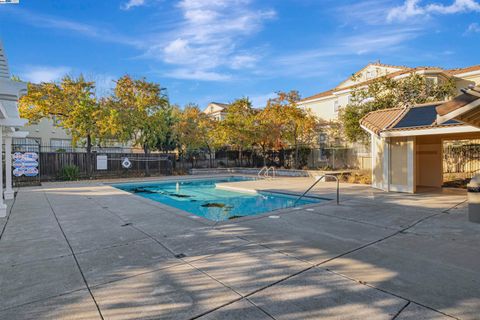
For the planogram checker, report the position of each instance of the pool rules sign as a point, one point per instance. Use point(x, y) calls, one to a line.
point(25, 164)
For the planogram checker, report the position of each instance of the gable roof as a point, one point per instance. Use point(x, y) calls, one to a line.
point(215, 107)
point(377, 121)
point(464, 108)
point(402, 119)
point(464, 70)
point(224, 105)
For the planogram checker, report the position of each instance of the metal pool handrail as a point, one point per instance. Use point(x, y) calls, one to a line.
point(261, 170)
point(315, 183)
point(273, 172)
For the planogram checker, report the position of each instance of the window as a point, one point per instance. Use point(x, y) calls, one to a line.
point(60, 144)
point(323, 138)
point(26, 144)
point(431, 80)
point(336, 106)
point(55, 121)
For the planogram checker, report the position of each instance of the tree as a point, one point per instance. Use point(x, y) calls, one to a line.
point(267, 131)
point(384, 93)
point(236, 129)
point(72, 105)
point(138, 111)
point(186, 130)
point(297, 126)
point(195, 131)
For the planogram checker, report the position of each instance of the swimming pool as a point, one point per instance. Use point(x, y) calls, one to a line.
point(202, 198)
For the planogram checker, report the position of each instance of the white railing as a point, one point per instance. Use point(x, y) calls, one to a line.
point(259, 174)
point(265, 173)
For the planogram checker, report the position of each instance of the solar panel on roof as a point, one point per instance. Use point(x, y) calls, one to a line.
point(420, 116)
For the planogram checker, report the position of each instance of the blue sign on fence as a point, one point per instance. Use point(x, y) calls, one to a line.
point(25, 164)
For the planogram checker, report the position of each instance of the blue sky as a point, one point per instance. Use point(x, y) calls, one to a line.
point(219, 50)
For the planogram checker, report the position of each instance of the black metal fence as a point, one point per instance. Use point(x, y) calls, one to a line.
point(332, 158)
point(54, 161)
point(53, 165)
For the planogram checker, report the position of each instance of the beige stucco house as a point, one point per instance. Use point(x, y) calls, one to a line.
point(45, 133)
point(216, 110)
point(326, 105)
point(406, 143)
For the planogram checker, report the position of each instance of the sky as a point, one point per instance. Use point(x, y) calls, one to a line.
point(220, 50)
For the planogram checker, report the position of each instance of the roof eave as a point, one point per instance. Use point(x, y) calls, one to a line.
point(429, 131)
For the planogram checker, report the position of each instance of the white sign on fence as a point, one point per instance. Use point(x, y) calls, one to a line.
point(126, 163)
point(102, 162)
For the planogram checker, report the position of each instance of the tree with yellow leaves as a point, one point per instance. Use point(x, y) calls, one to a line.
point(71, 103)
point(137, 111)
point(295, 126)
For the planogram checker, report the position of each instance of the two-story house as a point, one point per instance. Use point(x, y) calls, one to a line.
point(326, 105)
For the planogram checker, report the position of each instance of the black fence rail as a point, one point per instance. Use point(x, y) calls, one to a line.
point(308, 158)
point(53, 161)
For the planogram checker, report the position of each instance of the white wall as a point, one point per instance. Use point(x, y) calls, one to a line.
point(325, 108)
point(45, 130)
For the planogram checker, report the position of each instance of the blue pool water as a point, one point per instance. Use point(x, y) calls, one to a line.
point(201, 198)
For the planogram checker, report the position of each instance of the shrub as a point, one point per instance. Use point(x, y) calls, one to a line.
point(70, 173)
point(361, 177)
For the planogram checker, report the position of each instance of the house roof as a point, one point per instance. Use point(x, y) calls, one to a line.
point(463, 108)
point(224, 105)
point(464, 70)
point(403, 119)
point(215, 107)
point(319, 95)
point(377, 121)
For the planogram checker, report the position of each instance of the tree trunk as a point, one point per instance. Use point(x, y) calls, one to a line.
point(210, 165)
point(147, 169)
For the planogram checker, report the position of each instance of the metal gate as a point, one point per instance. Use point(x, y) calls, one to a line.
point(461, 159)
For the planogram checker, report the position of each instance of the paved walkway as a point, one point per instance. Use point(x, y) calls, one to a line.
point(89, 251)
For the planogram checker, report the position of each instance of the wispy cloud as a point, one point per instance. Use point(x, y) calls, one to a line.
point(64, 25)
point(473, 28)
point(132, 3)
point(412, 8)
point(38, 74)
point(345, 49)
point(206, 42)
point(209, 38)
point(189, 74)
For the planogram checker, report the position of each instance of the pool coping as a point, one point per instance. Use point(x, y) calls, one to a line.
point(208, 222)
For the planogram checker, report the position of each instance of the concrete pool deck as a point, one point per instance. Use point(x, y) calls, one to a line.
point(86, 250)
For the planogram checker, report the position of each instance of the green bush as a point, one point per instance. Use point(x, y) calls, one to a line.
point(70, 173)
